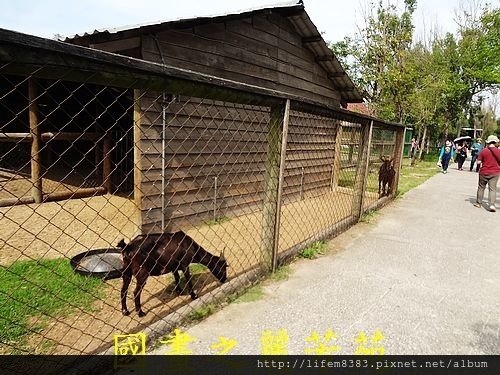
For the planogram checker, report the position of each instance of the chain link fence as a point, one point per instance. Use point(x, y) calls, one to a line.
point(96, 148)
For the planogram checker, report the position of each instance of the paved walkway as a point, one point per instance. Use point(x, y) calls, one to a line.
point(426, 274)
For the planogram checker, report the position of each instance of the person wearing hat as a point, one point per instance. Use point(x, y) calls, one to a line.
point(476, 148)
point(489, 162)
point(445, 155)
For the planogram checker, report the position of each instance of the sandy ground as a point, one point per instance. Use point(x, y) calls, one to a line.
point(63, 229)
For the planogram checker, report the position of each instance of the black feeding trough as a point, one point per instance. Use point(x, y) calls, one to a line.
point(105, 263)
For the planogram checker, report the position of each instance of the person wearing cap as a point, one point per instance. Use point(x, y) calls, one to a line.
point(489, 170)
point(445, 155)
point(475, 150)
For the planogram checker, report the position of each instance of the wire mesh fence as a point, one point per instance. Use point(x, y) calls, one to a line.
point(90, 158)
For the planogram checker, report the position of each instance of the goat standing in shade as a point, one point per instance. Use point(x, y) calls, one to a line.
point(157, 254)
point(386, 175)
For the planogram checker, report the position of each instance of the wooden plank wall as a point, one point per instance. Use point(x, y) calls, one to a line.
point(261, 50)
point(311, 146)
point(207, 139)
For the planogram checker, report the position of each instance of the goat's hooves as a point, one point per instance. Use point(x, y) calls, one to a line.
point(141, 313)
point(194, 296)
point(125, 312)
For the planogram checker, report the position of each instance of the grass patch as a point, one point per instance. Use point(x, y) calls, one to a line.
point(217, 221)
point(413, 176)
point(281, 273)
point(369, 217)
point(202, 312)
point(33, 290)
point(255, 292)
point(252, 294)
point(313, 251)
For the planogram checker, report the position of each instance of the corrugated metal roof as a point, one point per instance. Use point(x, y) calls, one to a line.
point(295, 12)
point(114, 30)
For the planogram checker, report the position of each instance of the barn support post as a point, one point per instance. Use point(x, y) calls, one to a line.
point(337, 159)
point(36, 142)
point(106, 164)
point(276, 153)
point(362, 170)
point(398, 158)
point(281, 180)
point(137, 157)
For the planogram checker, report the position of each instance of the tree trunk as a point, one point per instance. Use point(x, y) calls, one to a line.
point(421, 147)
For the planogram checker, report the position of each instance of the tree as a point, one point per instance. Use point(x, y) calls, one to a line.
point(436, 86)
point(376, 58)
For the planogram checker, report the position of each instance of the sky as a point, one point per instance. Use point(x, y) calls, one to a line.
point(335, 18)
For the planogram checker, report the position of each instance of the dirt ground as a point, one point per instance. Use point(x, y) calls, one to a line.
point(63, 229)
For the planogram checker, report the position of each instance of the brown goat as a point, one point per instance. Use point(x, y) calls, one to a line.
point(157, 254)
point(386, 175)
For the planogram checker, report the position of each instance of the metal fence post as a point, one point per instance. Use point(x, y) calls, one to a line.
point(362, 170)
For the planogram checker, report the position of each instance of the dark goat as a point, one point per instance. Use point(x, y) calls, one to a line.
point(157, 254)
point(386, 175)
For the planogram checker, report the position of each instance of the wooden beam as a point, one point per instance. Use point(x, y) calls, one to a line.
point(337, 159)
point(137, 157)
point(106, 164)
point(337, 75)
point(17, 137)
point(7, 202)
point(75, 194)
point(362, 171)
point(281, 179)
point(312, 39)
point(36, 141)
point(49, 136)
point(271, 183)
point(398, 158)
point(70, 136)
point(324, 58)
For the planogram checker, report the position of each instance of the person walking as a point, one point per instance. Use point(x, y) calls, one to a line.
point(489, 161)
point(476, 148)
point(445, 155)
point(414, 148)
point(462, 155)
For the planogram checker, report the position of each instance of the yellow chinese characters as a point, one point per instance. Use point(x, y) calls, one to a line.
point(223, 345)
point(274, 343)
point(321, 343)
point(376, 345)
point(131, 344)
point(178, 343)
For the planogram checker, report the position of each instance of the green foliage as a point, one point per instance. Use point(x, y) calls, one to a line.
point(369, 217)
point(281, 273)
point(313, 251)
point(437, 84)
point(30, 291)
point(202, 312)
point(252, 294)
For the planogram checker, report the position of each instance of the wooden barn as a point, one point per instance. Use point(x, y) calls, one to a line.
point(210, 155)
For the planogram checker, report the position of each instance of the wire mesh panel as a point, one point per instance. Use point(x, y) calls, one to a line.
point(318, 180)
point(381, 172)
point(122, 175)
